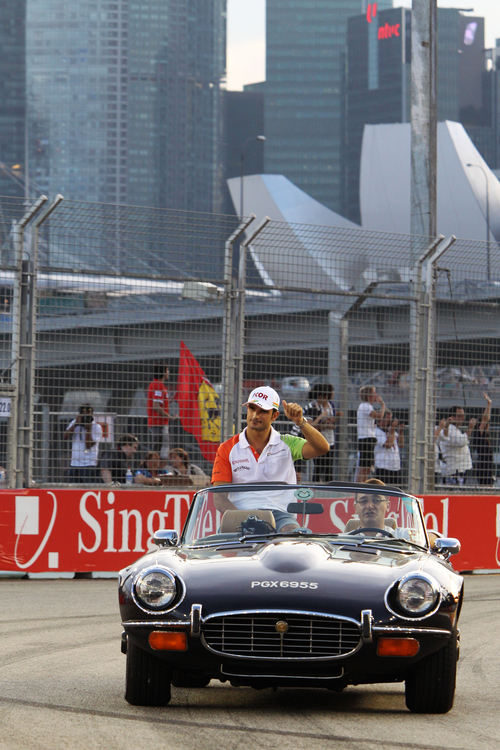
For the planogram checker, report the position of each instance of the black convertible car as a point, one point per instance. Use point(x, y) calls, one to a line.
point(276, 585)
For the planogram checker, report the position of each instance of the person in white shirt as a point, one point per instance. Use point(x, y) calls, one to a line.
point(86, 435)
point(387, 454)
point(454, 445)
point(262, 454)
point(367, 417)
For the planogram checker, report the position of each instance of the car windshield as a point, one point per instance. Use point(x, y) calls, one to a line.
point(368, 514)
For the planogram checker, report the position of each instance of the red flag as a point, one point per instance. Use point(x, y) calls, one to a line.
point(199, 404)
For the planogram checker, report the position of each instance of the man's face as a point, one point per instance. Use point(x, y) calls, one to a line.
point(459, 417)
point(371, 510)
point(260, 419)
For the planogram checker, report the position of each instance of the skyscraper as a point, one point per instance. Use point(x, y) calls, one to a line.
point(378, 80)
point(12, 96)
point(304, 99)
point(124, 100)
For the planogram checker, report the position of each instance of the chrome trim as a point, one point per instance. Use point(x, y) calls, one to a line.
point(195, 620)
point(366, 625)
point(415, 618)
point(302, 613)
point(307, 612)
point(446, 546)
point(411, 631)
point(166, 538)
point(175, 601)
point(155, 624)
point(282, 677)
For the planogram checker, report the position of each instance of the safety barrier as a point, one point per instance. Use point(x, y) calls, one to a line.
point(107, 528)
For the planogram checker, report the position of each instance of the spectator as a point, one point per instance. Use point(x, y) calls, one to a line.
point(367, 417)
point(387, 450)
point(180, 466)
point(438, 456)
point(86, 434)
point(484, 470)
point(321, 413)
point(150, 470)
point(158, 412)
point(454, 446)
point(117, 462)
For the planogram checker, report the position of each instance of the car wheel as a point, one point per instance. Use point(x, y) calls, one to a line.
point(430, 688)
point(147, 678)
point(190, 679)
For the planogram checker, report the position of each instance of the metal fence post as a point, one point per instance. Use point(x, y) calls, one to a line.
point(338, 376)
point(422, 407)
point(228, 333)
point(240, 328)
point(15, 436)
point(26, 372)
point(430, 398)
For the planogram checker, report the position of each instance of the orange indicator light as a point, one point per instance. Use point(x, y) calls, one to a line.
point(162, 640)
point(397, 647)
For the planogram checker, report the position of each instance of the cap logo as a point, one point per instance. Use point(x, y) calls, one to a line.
point(261, 395)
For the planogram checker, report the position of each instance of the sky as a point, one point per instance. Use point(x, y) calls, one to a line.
point(246, 31)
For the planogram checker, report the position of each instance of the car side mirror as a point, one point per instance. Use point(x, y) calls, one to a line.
point(446, 546)
point(166, 538)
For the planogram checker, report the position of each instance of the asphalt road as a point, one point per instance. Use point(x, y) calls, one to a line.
point(62, 684)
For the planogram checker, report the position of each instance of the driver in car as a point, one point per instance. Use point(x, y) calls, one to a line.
point(372, 511)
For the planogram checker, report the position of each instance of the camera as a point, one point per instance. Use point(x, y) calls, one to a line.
point(86, 417)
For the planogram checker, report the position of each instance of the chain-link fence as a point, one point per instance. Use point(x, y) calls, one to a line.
point(100, 300)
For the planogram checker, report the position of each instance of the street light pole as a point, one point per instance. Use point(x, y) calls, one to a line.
point(242, 164)
point(487, 196)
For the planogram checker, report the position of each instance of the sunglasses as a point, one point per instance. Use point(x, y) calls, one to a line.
point(375, 499)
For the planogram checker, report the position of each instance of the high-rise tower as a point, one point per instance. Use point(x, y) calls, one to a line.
point(124, 100)
point(304, 99)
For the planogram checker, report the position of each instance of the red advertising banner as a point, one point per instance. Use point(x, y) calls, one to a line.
point(65, 530)
point(83, 530)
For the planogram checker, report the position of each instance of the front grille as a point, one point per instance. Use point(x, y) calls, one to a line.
point(257, 635)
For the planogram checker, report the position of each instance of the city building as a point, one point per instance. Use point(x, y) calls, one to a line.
point(12, 96)
point(378, 83)
point(124, 100)
point(468, 192)
point(304, 99)
point(243, 122)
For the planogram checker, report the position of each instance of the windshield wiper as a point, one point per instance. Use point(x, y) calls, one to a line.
point(394, 543)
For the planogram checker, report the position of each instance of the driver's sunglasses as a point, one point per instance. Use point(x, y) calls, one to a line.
point(375, 499)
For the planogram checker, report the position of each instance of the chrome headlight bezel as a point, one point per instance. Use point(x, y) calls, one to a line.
point(173, 587)
point(398, 596)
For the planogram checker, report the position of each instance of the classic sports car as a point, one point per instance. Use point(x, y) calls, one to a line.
point(276, 585)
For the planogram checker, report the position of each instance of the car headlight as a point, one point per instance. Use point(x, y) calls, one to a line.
point(155, 589)
point(417, 594)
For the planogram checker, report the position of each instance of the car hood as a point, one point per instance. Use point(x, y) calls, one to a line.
point(293, 574)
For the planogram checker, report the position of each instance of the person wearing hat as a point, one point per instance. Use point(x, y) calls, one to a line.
point(260, 453)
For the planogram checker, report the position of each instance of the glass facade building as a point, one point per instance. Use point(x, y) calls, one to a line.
point(124, 100)
point(304, 100)
point(378, 81)
point(12, 96)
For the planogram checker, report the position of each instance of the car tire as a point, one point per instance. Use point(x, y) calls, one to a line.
point(147, 678)
point(430, 688)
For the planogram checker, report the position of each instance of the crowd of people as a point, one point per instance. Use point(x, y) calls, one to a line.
point(120, 464)
point(463, 451)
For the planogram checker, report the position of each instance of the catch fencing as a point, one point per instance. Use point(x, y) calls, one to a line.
point(96, 299)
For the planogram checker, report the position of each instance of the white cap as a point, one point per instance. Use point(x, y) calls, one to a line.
point(265, 397)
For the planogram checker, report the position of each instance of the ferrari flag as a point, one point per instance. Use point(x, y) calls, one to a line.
point(199, 404)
